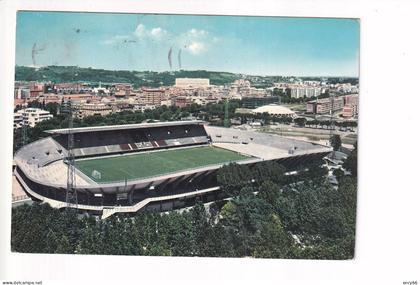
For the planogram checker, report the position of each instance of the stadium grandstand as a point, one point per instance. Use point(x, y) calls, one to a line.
point(154, 166)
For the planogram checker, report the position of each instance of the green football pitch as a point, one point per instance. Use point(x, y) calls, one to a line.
point(149, 164)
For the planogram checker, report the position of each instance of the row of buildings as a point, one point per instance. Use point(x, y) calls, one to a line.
point(238, 89)
point(123, 96)
point(241, 88)
point(309, 89)
point(117, 97)
point(34, 89)
point(300, 90)
point(347, 105)
point(189, 87)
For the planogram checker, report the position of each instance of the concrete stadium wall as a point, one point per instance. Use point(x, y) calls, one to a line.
point(162, 187)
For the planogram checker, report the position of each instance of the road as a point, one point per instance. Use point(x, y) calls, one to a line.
point(318, 135)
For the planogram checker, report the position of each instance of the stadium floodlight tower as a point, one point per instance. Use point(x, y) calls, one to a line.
point(71, 193)
point(24, 127)
point(332, 126)
point(332, 116)
point(226, 121)
point(24, 133)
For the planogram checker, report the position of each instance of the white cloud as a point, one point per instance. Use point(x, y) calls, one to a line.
point(158, 33)
point(195, 41)
point(197, 33)
point(196, 47)
point(140, 31)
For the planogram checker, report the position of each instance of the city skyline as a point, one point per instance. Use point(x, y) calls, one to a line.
point(248, 45)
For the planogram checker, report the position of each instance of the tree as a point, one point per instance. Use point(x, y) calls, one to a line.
point(268, 170)
point(347, 195)
point(274, 241)
point(338, 173)
point(233, 177)
point(266, 117)
point(269, 192)
point(313, 172)
point(180, 234)
point(200, 227)
point(91, 241)
point(220, 242)
point(350, 163)
point(300, 122)
point(331, 219)
point(52, 108)
point(165, 116)
point(335, 142)
point(302, 206)
point(243, 218)
point(64, 246)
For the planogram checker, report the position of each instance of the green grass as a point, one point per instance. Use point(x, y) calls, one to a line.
point(151, 164)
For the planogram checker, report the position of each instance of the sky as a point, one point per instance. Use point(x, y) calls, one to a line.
point(249, 45)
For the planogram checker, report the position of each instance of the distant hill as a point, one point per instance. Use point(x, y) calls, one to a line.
point(58, 74)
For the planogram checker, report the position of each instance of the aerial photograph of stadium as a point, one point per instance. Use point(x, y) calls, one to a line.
point(185, 135)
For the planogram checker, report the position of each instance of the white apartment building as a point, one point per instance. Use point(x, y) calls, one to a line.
point(30, 117)
point(300, 92)
point(17, 120)
point(192, 82)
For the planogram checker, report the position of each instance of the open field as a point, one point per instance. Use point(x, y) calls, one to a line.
point(149, 164)
point(312, 134)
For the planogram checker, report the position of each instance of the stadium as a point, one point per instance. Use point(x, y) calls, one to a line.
point(153, 166)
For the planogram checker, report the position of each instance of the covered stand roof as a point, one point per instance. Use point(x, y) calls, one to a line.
point(124, 127)
point(273, 109)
